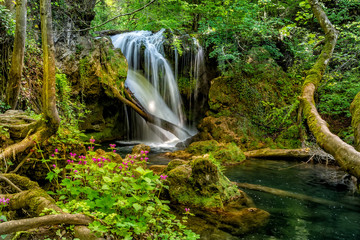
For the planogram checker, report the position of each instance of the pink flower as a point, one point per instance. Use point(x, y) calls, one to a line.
point(129, 156)
point(142, 152)
point(54, 166)
point(92, 140)
point(146, 152)
point(52, 155)
point(76, 171)
point(187, 210)
point(163, 177)
point(56, 150)
point(114, 151)
point(68, 161)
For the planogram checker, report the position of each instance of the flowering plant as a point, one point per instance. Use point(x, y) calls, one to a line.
point(120, 195)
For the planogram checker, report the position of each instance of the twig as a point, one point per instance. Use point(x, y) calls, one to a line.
point(10, 183)
point(22, 162)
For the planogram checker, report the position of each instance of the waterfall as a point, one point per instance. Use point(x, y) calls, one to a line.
point(151, 79)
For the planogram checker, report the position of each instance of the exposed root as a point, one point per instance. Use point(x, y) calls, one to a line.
point(26, 224)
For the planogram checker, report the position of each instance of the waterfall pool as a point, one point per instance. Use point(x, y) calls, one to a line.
point(298, 219)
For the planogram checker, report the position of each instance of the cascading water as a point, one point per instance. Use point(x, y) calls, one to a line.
point(152, 81)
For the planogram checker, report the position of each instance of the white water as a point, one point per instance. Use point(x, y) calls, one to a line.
point(152, 81)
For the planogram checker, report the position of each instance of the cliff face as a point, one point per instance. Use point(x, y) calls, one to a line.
point(92, 64)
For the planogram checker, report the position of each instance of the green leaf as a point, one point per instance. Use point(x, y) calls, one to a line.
point(137, 206)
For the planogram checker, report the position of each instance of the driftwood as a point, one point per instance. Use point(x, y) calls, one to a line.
point(299, 196)
point(345, 155)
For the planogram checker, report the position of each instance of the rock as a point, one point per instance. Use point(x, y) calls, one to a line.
point(221, 129)
point(200, 186)
point(158, 169)
point(140, 147)
point(225, 153)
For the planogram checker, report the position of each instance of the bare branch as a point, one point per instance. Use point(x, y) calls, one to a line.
point(112, 19)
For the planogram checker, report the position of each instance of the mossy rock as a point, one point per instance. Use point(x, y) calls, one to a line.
point(202, 147)
point(200, 184)
point(225, 153)
point(140, 147)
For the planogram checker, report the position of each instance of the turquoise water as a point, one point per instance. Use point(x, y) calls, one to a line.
point(298, 219)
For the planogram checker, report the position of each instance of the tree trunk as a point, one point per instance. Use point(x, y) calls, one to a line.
point(51, 120)
point(17, 60)
point(49, 91)
point(345, 155)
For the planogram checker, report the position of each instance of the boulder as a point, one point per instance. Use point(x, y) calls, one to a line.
point(202, 187)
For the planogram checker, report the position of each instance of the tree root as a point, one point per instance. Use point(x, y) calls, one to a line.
point(26, 224)
point(36, 200)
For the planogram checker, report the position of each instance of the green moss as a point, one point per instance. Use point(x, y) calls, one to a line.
point(203, 147)
point(222, 152)
point(200, 184)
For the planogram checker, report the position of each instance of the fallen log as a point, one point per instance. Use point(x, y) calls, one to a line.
point(299, 196)
point(303, 154)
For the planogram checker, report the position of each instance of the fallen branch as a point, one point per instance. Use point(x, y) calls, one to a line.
point(26, 224)
point(299, 196)
point(148, 117)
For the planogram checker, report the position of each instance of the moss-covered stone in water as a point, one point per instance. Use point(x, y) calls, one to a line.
point(200, 184)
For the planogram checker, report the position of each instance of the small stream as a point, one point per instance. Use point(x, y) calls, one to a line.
point(297, 219)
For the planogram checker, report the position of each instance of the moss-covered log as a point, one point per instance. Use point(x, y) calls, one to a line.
point(288, 154)
point(345, 155)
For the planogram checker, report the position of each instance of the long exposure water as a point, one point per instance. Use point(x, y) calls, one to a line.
point(299, 219)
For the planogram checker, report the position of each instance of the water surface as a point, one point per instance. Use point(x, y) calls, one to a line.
point(294, 218)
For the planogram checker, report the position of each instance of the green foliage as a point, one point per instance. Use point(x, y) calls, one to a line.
point(71, 113)
point(7, 24)
point(337, 94)
point(121, 196)
point(4, 106)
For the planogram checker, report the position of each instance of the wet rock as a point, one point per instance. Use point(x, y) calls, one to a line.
point(140, 147)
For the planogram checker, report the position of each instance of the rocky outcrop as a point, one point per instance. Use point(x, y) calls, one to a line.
point(201, 186)
point(94, 63)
